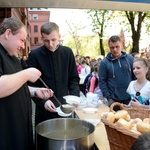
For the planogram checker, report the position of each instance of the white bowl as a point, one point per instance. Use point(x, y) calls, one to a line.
point(60, 113)
point(89, 110)
point(93, 121)
point(71, 99)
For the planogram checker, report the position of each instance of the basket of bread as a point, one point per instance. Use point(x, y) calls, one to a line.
point(125, 125)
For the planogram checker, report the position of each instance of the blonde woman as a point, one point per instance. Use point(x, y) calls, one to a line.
point(139, 89)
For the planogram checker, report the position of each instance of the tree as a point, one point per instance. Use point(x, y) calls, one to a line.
point(99, 18)
point(73, 31)
point(136, 19)
point(133, 22)
point(89, 45)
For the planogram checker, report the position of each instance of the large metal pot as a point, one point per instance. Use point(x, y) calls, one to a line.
point(65, 134)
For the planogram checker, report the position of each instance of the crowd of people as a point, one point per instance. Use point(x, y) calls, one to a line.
point(88, 73)
point(121, 77)
point(118, 77)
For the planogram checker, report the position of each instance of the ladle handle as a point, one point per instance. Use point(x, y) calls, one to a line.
point(44, 83)
point(49, 88)
point(26, 66)
point(57, 100)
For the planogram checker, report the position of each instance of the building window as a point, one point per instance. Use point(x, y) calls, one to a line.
point(35, 16)
point(36, 40)
point(35, 28)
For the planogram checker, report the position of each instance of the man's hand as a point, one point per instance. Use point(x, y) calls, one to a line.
point(49, 106)
point(43, 93)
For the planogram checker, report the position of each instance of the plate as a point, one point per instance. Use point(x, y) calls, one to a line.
point(89, 110)
point(93, 121)
point(71, 99)
point(62, 114)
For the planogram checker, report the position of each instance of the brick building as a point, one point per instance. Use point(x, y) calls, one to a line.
point(21, 14)
point(37, 17)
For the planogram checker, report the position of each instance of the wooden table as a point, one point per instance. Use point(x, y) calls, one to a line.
point(100, 135)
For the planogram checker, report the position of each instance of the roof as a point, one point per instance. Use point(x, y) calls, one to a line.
point(80, 4)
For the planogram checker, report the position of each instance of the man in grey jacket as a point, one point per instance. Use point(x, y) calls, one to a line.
point(115, 73)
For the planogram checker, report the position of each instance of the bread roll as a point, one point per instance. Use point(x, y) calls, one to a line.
point(135, 121)
point(143, 127)
point(127, 118)
point(123, 123)
point(131, 120)
point(146, 120)
point(134, 129)
point(104, 114)
point(111, 117)
point(121, 114)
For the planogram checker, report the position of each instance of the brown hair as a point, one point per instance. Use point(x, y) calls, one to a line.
point(11, 23)
point(48, 27)
point(142, 142)
point(147, 64)
point(114, 38)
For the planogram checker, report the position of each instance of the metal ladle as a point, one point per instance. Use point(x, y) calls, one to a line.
point(66, 109)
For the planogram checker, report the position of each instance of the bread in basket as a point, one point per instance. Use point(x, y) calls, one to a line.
point(119, 137)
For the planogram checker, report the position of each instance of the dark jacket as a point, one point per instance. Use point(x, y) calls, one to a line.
point(115, 75)
point(15, 110)
point(59, 71)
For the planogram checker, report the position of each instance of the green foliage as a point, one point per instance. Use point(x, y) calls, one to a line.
point(99, 23)
point(131, 23)
point(89, 46)
point(146, 22)
point(97, 17)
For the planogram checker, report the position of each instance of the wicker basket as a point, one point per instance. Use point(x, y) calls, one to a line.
point(118, 137)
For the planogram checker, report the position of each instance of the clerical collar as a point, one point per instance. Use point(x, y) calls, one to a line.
point(56, 48)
